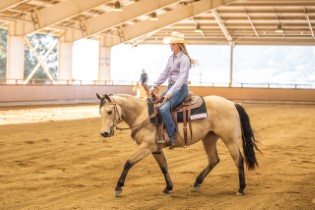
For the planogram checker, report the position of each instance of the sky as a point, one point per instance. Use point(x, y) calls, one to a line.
point(251, 64)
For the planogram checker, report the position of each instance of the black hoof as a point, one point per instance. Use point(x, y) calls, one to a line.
point(167, 190)
point(118, 193)
point(240, 193)
point(196, 188)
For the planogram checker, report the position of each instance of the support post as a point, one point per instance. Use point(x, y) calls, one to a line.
point(15, 62)
point(104, 64)
point(15, 70)
point(65, 61)
point(231, 63)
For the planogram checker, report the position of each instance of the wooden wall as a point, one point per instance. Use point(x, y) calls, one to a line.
point(24, 93)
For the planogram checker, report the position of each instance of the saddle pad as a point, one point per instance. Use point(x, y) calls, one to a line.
point(195, 114)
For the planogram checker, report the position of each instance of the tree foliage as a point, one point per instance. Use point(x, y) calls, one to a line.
point(41, 44)
point(3, 52)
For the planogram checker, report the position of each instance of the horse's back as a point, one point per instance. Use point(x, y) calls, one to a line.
point(221, 112)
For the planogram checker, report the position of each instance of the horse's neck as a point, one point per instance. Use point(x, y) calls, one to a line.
point(132, 108)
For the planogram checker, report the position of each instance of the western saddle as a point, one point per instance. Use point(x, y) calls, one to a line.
point(184, 108)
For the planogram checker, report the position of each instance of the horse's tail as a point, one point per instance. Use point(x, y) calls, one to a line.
point(248, 139)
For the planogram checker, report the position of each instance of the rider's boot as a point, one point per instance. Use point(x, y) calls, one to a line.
point(171, 143)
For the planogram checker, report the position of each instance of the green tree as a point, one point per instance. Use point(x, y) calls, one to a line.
point(41, 44)
point(3, 52)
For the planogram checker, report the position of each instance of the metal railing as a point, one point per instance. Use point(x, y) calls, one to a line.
point(123, 82)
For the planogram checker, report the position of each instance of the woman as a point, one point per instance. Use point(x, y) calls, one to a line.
point(177, 72)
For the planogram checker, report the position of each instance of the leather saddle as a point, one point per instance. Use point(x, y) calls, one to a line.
point(191, 101)
point(182, 112)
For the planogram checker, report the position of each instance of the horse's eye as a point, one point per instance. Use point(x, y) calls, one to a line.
point(109, 112)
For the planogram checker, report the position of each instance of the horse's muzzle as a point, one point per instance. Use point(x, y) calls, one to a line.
point(107, 134)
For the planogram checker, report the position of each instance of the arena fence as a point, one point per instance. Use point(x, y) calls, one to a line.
point(117, 82)
point(81, 91)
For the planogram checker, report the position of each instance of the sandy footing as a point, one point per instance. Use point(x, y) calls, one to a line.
point(54, 158)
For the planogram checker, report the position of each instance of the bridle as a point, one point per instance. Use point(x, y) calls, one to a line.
point(116, 113)
point(136, 127)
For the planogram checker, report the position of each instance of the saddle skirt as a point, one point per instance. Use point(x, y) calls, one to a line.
point(196, 106)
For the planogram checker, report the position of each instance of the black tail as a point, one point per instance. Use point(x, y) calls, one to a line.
point(248, 139)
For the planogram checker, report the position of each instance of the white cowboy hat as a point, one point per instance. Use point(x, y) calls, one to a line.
point(176, 37)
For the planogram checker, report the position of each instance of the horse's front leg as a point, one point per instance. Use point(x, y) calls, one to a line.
point(122, 178)
point(143, 151)
point(161, 160)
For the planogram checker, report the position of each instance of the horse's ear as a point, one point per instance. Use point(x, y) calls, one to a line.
point(98, 96)
point(107, 97)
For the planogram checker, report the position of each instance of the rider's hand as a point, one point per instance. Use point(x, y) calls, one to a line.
point(151, 90)
point(167, 96)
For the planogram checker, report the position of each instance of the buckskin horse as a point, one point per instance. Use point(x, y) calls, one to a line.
point(225, 120)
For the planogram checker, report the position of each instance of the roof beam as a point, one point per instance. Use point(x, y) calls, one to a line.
point(309, 23)
point(184, 12)
point(221, 25)
point(6, 4)
point(113, 19)
point(251, 23)
point(63, 11)
point(273, 3)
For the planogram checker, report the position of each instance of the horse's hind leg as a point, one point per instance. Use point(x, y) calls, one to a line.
point(210, 146)
point(239, 162)
point(160, 159)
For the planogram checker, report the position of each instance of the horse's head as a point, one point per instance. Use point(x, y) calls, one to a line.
point(110, 115)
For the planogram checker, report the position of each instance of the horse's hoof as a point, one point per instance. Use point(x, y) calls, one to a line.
point(196, 189)
point(240, 193)
point(118, 193)
point(166, 192)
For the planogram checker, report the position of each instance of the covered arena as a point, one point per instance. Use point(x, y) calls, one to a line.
point(53, 157)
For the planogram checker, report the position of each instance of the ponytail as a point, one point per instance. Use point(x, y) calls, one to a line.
point(183, 48)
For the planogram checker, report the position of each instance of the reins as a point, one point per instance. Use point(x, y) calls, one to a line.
point(122, 129)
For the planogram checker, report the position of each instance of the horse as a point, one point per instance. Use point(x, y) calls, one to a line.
point(225, 120)
point(140, 91)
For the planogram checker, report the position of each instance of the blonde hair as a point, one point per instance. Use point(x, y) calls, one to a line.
point(183, 48)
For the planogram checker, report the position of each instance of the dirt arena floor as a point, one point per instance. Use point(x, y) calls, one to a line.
point(54, 158)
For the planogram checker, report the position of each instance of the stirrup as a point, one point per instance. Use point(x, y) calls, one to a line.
point(161, 142)
point(172, 144)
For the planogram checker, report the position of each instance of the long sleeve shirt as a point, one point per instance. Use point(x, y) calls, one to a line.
point(176, 70)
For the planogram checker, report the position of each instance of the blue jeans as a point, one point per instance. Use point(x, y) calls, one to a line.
point(165, 110)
